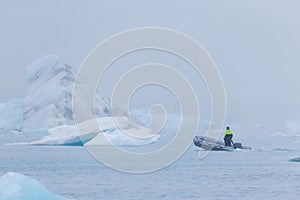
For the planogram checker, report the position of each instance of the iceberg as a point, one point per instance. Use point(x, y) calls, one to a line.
point(11, 115)
point(49, 100)
point(47, 109)
point(295, 159)
point(15, 186)
point(61, 135)
point(122, 133)
point(136, 137)
point(106, 132)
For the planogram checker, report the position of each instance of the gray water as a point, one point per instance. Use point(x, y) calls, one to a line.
point(262, 173)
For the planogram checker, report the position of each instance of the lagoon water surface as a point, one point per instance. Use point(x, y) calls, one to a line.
point(261, 173)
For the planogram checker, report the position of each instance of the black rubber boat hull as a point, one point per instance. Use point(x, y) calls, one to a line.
point(213, 145)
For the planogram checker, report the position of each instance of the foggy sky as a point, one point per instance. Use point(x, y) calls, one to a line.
point(255, 43)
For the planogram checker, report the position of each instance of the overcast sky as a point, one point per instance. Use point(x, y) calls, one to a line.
point(255, 43)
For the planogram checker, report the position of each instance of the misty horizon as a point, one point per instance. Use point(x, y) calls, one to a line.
point(254, 44)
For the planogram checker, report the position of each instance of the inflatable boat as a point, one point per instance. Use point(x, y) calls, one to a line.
point(207, 143)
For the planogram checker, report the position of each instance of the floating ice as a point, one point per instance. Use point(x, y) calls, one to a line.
point(137, 137)
point(68, 135)
point(295, 159)
point(48, 102)
point(100, 133)
point(63, 135)
point(11, 115)
point(293, 126)
point(15, 186)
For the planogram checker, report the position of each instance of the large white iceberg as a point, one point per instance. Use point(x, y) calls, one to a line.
point(15, 186)
point(11, 115)
point(49, 100)
point(47, 108)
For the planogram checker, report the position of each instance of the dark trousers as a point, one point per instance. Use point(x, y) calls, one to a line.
point(227, 140)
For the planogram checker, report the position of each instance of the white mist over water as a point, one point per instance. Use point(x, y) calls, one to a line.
point(256, 47)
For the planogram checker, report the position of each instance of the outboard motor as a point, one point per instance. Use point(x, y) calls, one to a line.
point(238, 145)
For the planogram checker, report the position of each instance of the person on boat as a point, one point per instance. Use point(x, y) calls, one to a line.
point(228, 136)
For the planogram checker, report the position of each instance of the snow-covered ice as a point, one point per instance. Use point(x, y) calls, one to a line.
point(61, 135)
point(49, 100)
point(15, 186)
point(11, 115)
point(104, 132)
point(120, 138)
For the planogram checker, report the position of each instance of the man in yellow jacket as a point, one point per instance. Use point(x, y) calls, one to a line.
point(228, 136)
